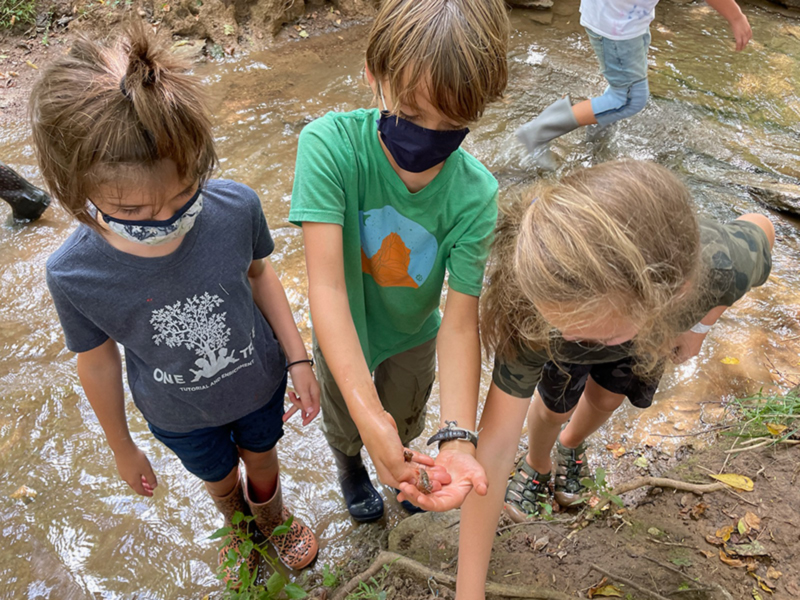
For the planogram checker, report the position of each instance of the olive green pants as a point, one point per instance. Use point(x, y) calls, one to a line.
point(404, 383)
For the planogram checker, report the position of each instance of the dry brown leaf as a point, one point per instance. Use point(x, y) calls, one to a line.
point(698, 510)
point(724, 533)
point(773, 573)
point(616, 449)
point(540, 543)
point(731, 562)
point(708, 553)
point(739, 482)
point(753, 521)
point(763, 583)
point(604, 589)
point(714, 541)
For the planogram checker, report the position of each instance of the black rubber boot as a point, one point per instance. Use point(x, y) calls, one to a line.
point(27, 201)
point(363, 500)
point(411, 509)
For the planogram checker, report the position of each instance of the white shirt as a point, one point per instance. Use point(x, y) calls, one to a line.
point(618, 19)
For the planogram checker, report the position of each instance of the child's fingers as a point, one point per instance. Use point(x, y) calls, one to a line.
point(149, 477)
point(290, 413)
point(138, 487)
point(419, 457)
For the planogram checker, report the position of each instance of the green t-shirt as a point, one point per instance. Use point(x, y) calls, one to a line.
point(738, 258)
point(397, 244)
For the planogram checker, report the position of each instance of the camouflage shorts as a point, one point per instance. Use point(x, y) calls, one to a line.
point(562, 384)
point(404, 383)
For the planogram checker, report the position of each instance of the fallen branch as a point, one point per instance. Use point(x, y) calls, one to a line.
point(423, 572)
point(761, 444)
point(635, 484)
point(628, 582)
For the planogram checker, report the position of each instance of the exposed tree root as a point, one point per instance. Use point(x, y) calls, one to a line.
point(635, 484)
point(424, 573)
point(628, 582)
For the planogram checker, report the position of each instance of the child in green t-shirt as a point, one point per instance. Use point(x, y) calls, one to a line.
point(389, 203)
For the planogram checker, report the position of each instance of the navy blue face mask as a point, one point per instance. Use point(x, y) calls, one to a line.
point(414, 148)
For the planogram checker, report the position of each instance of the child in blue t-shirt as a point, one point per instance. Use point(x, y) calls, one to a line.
point(171, 265)
point(619, 31)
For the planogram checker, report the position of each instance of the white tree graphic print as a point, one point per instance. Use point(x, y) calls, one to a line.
point(195, 326)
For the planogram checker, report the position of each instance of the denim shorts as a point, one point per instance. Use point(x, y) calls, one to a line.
point(211, 453)
point(562, 384)
point(622, 62)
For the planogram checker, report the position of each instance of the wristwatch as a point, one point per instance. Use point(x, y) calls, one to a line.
point(453, 432)
point(700, 328)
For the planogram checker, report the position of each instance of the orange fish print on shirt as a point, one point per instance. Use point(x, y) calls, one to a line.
point(389, 265)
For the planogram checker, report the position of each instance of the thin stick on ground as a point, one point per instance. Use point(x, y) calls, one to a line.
point(424, 573)
point(628, 582)
point(683, 575)
point(682, 486)
point(761, 444)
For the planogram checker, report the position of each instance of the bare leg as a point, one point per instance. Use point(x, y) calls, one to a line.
point(584, 114)
point(224, 486)
point(501, 425)
point(544, 426)
point(594, 408)
point(262, 473)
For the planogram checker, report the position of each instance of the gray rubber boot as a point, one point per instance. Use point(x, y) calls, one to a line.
point(554, 121)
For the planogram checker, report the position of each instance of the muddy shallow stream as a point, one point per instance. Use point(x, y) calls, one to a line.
point(723, 121)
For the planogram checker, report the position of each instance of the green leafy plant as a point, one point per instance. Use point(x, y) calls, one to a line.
point(249, 587)
point(17, 12)
point(372, 589)
point(331, 576)
point(600, 487)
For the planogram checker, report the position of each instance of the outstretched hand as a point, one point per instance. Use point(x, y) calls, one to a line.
point(387, 452)
point(465, 474)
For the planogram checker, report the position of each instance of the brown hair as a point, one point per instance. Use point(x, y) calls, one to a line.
point(623, 234)
point(123, 105)
point(456, 48)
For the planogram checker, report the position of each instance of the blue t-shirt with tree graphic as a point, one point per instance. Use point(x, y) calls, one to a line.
point(198, 351)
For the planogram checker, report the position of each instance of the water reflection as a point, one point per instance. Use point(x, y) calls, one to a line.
point(87, 536)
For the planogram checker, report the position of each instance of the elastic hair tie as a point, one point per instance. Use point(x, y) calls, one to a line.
point(123, 89)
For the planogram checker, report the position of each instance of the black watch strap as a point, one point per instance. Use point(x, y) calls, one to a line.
point(453, 432)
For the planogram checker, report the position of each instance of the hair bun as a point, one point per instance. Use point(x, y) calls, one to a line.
point(145, 58)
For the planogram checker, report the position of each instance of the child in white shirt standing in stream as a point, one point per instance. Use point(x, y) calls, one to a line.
point(619, 31)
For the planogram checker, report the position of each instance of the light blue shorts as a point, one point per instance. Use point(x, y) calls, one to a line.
point(624, 65)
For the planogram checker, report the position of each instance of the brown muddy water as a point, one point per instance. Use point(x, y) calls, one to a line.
point(716, 118)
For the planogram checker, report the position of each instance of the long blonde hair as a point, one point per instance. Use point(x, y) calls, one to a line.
point(621, 234)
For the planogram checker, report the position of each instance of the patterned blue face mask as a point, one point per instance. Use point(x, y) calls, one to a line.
point(154, 233)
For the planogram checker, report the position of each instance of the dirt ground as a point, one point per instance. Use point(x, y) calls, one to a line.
point(201, 29)
point(667, 542)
